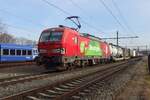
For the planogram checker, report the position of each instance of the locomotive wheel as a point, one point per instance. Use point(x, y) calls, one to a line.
point(46, 66)
point(82, 64)
point(77, 63)
point(70, 66)
point(37, 60)
point(65, 66)
point(90, 62)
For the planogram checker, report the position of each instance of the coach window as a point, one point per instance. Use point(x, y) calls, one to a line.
point(24, 52)
point(12, 51)
point(29, 52)
point(18, 52)
point(0, 51)
point(5, 51)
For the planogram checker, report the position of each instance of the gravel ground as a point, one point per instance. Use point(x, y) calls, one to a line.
point(131, 84)
point(128, 85)
point(139, 87)
point(20, 70)
point(12, 89)
point(110, 88)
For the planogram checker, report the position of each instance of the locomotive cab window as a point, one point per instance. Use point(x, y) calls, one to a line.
point(51, 36)
point(5, 51)
point(12, 52)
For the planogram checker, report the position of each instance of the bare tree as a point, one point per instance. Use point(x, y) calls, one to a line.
point(2, 28)
point(4, 36)
point(24, 41)
point(7, 38)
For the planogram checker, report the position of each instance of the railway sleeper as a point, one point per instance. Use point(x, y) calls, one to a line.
point(32, 98)
point(75, 83)
point(61, 89)
point(76, 97)
point(65, 87)
point(86, 91)
point(45, 96)
point(51, 94)
point(79, 97)
point(82, 93)
point(54, 92)
point(70, 85)
point(79, 80)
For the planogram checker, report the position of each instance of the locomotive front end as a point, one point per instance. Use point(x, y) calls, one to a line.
point(51, 49)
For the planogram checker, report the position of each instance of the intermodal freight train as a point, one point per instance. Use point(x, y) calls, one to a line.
point(63, 47)
point(17, 53)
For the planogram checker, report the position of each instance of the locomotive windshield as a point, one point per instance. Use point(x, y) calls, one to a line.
point(51, 36)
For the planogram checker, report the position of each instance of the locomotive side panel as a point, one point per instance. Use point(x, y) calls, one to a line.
point(70, 42)
point(106, 50)
point(90, 48)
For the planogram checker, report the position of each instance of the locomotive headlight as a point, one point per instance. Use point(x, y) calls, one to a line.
point(59, 50)
point(62, 50)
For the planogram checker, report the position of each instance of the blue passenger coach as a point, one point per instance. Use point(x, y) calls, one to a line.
point(15, 53)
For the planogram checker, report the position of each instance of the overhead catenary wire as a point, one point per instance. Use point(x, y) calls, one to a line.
point(80, 8)
point(130, 30)
point(53, 5)
point(69, 14)
point(122, 17)
point(112, 14)
point(84, 11)
point(90, 25)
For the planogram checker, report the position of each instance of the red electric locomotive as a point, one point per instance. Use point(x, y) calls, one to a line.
point(62, 47)
point(57, 45)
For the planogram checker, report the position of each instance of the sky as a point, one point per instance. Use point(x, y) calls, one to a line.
point(27, 18)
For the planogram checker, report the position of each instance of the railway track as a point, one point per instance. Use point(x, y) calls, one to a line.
point(22, 78)
point(7, 65)
point(29, 77)
point(73, 88)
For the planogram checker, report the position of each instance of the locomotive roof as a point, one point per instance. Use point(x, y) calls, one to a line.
point(10, 45)
point(60, 28)
point(92, 37)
